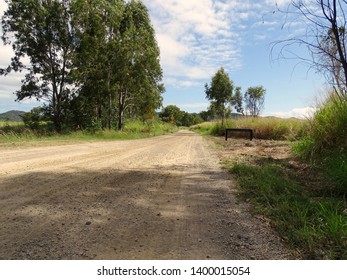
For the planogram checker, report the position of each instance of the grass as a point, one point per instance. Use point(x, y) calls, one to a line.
point(306, 204)
point(325, 143)
point(314, 223)
point(17, 134)
point(263, 128)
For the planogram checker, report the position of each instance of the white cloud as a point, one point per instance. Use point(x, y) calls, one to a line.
point(301, 113)
point(191, 107)
point(182, 83)
point(279, 3)
point(197, 37)
point(194, 105)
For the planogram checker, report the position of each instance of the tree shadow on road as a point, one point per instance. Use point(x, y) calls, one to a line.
point(132, 214)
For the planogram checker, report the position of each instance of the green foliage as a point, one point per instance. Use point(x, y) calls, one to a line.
point(173, 114)
point(254, 100)
point(237, 101)
point(96, 63)
point(35, 118)
point(318, 228)
point(329, 126)
point(220, 92)
point(43, 33)
point(19, 134)
point(205, 115)
point(326, 142)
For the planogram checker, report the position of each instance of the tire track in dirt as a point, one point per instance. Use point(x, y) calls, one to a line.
point(159, 198)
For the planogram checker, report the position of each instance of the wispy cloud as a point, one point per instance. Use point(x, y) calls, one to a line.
point(193, 107)
point(301, 113)
point(197, 37)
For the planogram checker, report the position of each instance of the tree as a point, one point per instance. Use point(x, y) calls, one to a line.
point(139, 71)
point(95, 62)
point(172, 113)
point(118, 62)
point(325, 38)
point(42, 31)
point(220, 92)
point(205, 115)
point(190, 119)
point(254, 100)
point(34, 118)
point(97, 59)
point(237, 101)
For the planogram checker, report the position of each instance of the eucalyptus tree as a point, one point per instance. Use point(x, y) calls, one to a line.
point(220, 92)
point(139, 72)
point(97, 57)
point(41, 31)
point(237, 101)
point(254, 100)
point(118, 61)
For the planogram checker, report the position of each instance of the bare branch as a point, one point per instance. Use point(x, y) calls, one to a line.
point(325, 39)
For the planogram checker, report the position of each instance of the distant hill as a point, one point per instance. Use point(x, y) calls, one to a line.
point(12, 116)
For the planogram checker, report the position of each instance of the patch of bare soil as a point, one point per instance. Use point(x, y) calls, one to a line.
point(253, 152)
point(160, 198)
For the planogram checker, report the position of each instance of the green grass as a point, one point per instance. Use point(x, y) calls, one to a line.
point(314, 224)
point(18, 134)
point(263, 128)
point(325, 143)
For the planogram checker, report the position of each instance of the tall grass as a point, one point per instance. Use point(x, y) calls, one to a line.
point(329, 126)
point(17, 133)
point(326, 140)
point(263, 127)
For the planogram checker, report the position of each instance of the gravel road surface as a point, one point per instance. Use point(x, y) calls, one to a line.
point(159, 198)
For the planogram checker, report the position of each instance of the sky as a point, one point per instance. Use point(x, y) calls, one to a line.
point(197, 38)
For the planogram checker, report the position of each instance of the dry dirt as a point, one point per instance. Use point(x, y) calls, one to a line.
point(160, 198)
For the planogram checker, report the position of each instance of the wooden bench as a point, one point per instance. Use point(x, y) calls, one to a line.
point(239, 130)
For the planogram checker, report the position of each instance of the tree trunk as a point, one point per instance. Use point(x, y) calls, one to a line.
point(121, 109)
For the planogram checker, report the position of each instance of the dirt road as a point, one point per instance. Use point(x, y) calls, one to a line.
point(158, 198)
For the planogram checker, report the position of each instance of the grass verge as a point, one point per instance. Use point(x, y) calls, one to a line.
point(16, 134)
point(311, 220)
point(326, 143)
point(263, 127)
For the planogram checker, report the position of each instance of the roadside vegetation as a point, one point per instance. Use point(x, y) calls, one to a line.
point(17, 133)
point(301, 202)
point(304, 194)
point(270, 128)
point(93, 63)
point(325, 143)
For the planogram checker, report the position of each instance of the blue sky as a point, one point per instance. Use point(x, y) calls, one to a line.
point(197, 37)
